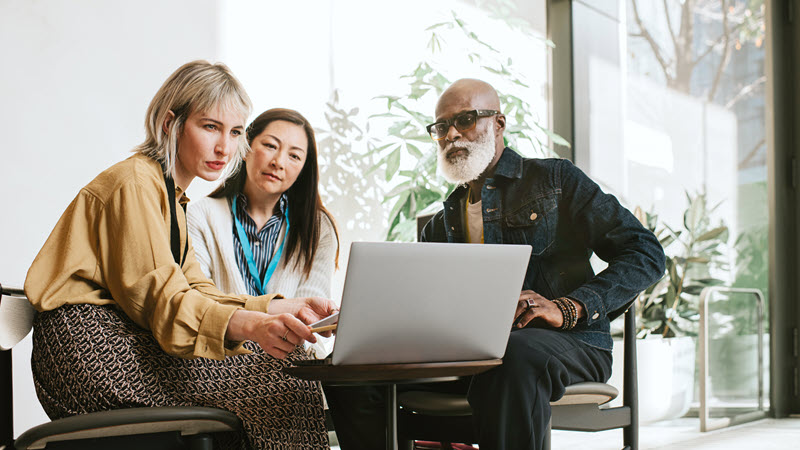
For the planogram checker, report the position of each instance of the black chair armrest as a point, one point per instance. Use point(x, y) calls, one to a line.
point(188, 420)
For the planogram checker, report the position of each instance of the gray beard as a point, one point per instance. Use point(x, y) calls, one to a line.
point(463, 169)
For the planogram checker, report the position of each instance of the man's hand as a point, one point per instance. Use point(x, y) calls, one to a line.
point(307, 309)
point(536, 310)
point(278, 334)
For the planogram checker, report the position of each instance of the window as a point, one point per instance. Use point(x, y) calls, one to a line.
point(670, 117)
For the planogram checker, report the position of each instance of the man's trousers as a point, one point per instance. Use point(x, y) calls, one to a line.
point(510, 403)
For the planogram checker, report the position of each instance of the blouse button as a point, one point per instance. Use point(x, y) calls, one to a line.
point(257, 243)
point(595, 316)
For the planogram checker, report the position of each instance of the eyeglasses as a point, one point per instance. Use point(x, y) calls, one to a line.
point(463, 122)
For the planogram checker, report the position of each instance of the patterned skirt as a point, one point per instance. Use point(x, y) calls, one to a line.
point(89, 358)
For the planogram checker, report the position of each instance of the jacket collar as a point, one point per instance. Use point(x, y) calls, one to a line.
point(509, 165)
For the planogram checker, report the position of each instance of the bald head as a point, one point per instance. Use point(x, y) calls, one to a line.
point(471, 148)
point(466, 94)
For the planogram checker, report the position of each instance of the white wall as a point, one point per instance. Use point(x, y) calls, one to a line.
point(77, 78)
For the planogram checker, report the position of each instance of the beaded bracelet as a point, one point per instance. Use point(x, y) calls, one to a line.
point(568, 311)
point(574, 311)
point(564, 313)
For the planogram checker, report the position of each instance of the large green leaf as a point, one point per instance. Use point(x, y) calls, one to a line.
point(438, 25)
point(399, 204)
point(557, 139)
point(693, 216)
point(712, 234)
point(404, 186)
point(392, 164)
point(414, 150)
point(667, 240)
point(698, 259)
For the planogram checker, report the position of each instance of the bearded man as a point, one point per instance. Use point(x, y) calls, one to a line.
point(560, 334)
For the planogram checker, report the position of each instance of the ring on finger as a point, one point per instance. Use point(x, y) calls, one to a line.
point(530, 302)
point(284, 336)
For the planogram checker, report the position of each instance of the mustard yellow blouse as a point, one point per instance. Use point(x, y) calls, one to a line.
point(112, 246)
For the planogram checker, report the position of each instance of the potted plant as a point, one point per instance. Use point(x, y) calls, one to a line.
point(668, 311)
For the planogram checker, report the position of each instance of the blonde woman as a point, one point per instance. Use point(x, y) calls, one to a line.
point(127, 317)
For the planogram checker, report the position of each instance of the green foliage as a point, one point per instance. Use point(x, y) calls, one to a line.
point(752, 271)
point(751, 19)
point(752, 266)
point(420, 190)
point(695, 254)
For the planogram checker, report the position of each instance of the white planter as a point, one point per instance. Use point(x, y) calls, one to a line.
point(666, 370)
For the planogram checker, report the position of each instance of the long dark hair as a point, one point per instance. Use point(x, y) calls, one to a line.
point(305, 204)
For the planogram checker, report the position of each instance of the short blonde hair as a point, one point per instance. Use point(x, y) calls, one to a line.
point(195, 86)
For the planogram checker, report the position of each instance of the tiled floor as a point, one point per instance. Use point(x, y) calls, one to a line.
point(767, 434)
point(683, 434)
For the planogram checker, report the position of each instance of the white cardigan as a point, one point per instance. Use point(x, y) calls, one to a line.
point(210, 227)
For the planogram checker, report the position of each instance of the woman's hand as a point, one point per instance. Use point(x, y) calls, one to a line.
point(307, 309)
point(277, 334)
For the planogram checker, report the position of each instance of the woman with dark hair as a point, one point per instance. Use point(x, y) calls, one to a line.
point(265, 230)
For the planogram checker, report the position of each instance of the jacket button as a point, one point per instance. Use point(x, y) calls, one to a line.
point(595, 316)
point(452, 228)
point(490, 187)
point(451, 208)
point(534, 216)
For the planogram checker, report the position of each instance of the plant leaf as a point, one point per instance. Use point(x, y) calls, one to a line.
point(712, 234)
point(404, 186)
point(392, 164)
point(414, 150)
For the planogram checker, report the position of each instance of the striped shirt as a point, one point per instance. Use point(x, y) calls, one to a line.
point(262, 242)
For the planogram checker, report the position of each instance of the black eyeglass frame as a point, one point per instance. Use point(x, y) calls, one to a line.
point(478, 113)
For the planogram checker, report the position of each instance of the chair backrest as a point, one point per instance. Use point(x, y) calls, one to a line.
point(16, 321)
point(16, 317)
point(422, 220)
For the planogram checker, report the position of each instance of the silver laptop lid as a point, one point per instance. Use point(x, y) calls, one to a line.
point(428, 302)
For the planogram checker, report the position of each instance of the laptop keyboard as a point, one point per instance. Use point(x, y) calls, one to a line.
point(312, 362)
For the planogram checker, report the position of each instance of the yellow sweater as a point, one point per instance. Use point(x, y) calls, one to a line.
point(112, 246)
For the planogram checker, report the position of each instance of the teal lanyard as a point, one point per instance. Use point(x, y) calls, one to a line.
point(248, 252)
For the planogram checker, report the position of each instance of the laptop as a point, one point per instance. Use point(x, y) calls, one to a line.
point(427, 302)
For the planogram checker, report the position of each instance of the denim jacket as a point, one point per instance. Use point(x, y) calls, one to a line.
point(564, 216)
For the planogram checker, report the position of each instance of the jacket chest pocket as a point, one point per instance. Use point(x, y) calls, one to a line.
point(533, 224)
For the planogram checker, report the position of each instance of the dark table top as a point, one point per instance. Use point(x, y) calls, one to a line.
point(391, 373)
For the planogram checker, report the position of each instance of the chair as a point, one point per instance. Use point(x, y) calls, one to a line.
point(184, 427)
point(447, 418)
